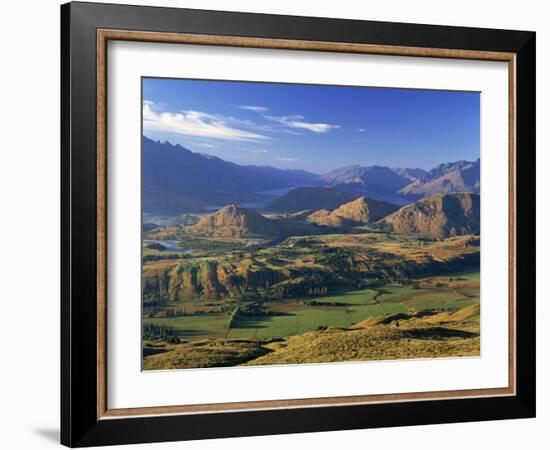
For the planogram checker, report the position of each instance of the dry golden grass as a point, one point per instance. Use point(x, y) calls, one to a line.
point(384, 342)
point(218, 353)
point(392, 337)
point(399, 336)
point(468, 314)
point(405, 246)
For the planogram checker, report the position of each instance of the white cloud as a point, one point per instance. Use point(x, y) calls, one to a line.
point(288, 159)
point(297, 121)
point(258, 109)
point(315, 127)
point(206, 145)
point(361, 130)
point(195, 123)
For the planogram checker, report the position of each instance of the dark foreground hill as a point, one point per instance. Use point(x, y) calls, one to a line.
point(312, 198)
point(437, 216)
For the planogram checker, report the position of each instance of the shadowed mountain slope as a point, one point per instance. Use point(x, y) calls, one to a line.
point(312, 198)
point(177, 179)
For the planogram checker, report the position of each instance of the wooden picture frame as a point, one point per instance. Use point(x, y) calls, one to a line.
point(86, 418)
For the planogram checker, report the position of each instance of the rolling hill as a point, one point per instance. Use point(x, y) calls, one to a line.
point(233, 221)
point(365, 210)
point(439, 216)
point(359, 211)
point(325, 218)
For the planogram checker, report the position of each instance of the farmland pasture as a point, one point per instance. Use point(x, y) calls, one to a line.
point(293, 317)
point(302, 321)
point(194, 327)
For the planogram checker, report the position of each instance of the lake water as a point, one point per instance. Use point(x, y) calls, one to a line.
point(170, 245)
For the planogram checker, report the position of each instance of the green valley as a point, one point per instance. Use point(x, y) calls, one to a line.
point(260, 293)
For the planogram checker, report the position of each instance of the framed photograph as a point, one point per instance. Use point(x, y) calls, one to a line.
point(277, 224)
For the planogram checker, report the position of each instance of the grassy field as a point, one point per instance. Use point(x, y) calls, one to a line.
point(319, 298)
point(363, 297)
point(295, 317)
point(301, 321)
point(194, 327)
point(389, 337)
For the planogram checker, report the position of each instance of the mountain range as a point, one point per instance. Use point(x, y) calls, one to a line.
point(377, 182)
point(460, 176)
point(176, 180)
point(403, 185)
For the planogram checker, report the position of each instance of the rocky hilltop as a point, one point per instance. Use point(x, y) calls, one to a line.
point(438, 216)
point(325, 218)
point(365, 210)
point(359, 211)
point(234, 221)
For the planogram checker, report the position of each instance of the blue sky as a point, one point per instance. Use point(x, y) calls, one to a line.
point(312, 127)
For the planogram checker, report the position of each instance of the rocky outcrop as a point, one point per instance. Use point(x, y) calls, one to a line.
point(437, 216)
point(234, 221)
point(362, 210)
point(327, 219)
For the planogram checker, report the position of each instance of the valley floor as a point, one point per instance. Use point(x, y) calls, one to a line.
point(430, 317)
